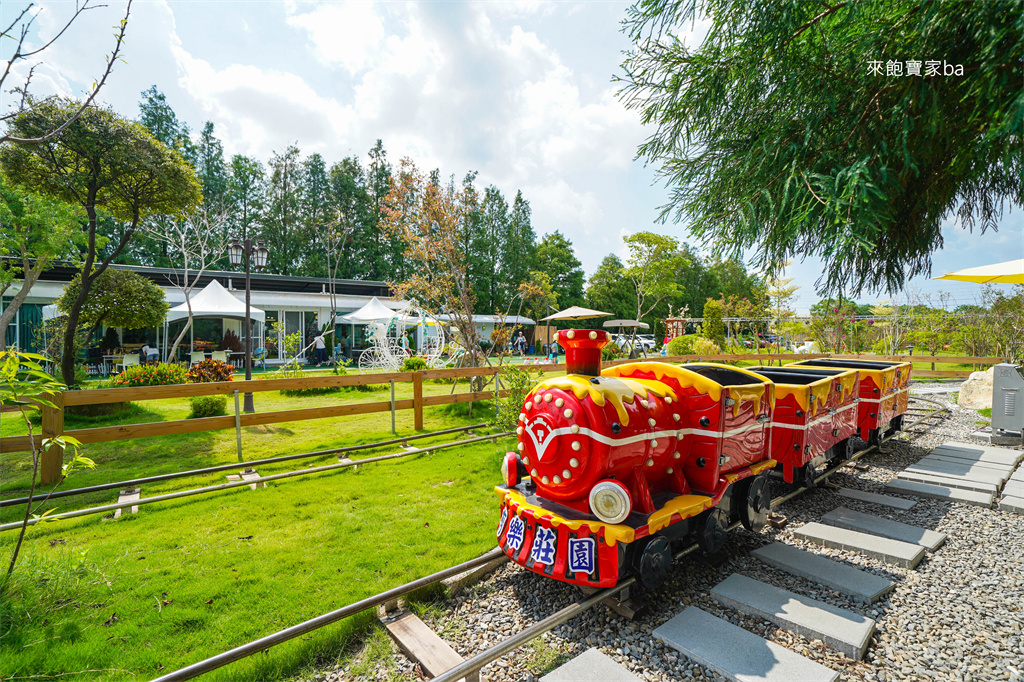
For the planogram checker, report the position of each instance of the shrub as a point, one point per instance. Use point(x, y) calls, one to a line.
point(163, 374)
point(210, 370)
point(518, 383)
point(208, 406)
point(713, 328)
point(612, 352)
point(692, 344)
point(230, 342)
point(413, 364)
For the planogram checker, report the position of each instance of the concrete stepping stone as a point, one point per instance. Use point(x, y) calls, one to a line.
point(876, 525)
point(967, 473)
point(1012, 504)
point(949, 481)
point(861, 586)
point(875, 498)
point(973, 463)
point(843, 630)
point(895, 552)
point(591, 665)
point(940, 492)
point(986, 453)
point(736, 654)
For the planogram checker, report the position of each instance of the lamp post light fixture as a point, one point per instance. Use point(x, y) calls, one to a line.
point(255, 255)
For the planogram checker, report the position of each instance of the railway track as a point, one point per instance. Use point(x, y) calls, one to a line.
point(137, 501)
point(470, 667)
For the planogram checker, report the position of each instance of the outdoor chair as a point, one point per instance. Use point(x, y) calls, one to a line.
point(196, 356)
point(127, 361)
point(260, 356)
point(221, 355)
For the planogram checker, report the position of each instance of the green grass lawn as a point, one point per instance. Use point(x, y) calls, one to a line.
point(183, 580)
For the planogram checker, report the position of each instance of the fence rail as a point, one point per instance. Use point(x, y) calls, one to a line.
point(53, 417)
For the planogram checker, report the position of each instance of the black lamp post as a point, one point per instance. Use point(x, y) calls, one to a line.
point(256, 254)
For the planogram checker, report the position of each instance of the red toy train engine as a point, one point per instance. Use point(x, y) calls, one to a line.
point(612, 466)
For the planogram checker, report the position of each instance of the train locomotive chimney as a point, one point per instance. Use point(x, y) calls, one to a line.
point(583, 350)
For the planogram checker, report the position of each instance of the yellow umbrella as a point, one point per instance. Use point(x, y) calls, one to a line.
point(1010, 272)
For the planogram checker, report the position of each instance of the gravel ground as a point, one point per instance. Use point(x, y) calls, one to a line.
point(958, 616)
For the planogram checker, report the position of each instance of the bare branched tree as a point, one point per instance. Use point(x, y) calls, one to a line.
point(19, 30)
point(196, 242)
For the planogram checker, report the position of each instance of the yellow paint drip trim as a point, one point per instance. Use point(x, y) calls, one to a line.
point(660, 370)
point(617, 390)
point(684, 505)
point(613, 533)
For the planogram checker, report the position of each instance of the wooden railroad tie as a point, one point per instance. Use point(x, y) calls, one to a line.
point(420, 644)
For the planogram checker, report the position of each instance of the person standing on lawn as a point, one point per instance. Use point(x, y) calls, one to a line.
point(320, 349)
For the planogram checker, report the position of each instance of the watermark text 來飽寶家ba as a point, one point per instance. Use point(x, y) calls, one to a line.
point(914, 67)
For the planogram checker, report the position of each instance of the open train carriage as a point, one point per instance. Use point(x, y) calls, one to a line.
point(815, 416)
point(612, 466)
point(884, 393)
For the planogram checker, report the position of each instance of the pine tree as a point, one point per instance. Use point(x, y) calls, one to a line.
point(282, 219)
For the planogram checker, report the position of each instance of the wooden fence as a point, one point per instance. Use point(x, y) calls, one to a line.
point(53, 417)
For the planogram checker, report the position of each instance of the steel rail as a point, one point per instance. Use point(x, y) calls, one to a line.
point(237, 484)
point(517, 640)
point(256, 646)
point(226, 467)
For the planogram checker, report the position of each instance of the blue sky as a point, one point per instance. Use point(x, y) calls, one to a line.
point(521, 92)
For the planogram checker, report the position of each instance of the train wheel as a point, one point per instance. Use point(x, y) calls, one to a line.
point(754, 514)
point(804, 476)
point(652, 562)
point(712, 529)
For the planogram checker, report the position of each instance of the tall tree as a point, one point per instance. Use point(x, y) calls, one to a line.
point(652, 265)
point(350, 196)
point(556, 257)
point(246, 188)
point(428, 218)
point(159, 118)
point(318, 212)
point(609, 291)
point(385, 257)
point(282, 220)
point(487, 247)
point(797, 129)
point(99, 162)
point(34, 231)
point(517, 250)
point(212, 169)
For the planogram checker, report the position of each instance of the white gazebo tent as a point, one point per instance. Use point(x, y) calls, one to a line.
point(215, 301)
point(373, 311)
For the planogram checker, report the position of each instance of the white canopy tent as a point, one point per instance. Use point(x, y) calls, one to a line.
point(215, 301)
point(373, 311)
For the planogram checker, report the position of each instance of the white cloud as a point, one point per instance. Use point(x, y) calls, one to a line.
point(349, 33)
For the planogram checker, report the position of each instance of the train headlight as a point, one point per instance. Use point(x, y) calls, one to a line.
point(609, 500)
point(510, 469)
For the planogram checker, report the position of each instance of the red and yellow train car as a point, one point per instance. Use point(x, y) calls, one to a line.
point(814, 419)
point(612, 466)
point(884, 393)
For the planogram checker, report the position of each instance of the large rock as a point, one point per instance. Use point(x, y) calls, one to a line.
point(976, 392)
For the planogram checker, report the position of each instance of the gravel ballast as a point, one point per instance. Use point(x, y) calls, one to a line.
point(958, 615)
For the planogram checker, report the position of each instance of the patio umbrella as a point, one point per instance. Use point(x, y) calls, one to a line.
point(575, 313)
point(1010, 272)
point(627, 324)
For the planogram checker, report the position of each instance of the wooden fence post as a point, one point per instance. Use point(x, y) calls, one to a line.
point(53, 425)
point(417, 400)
